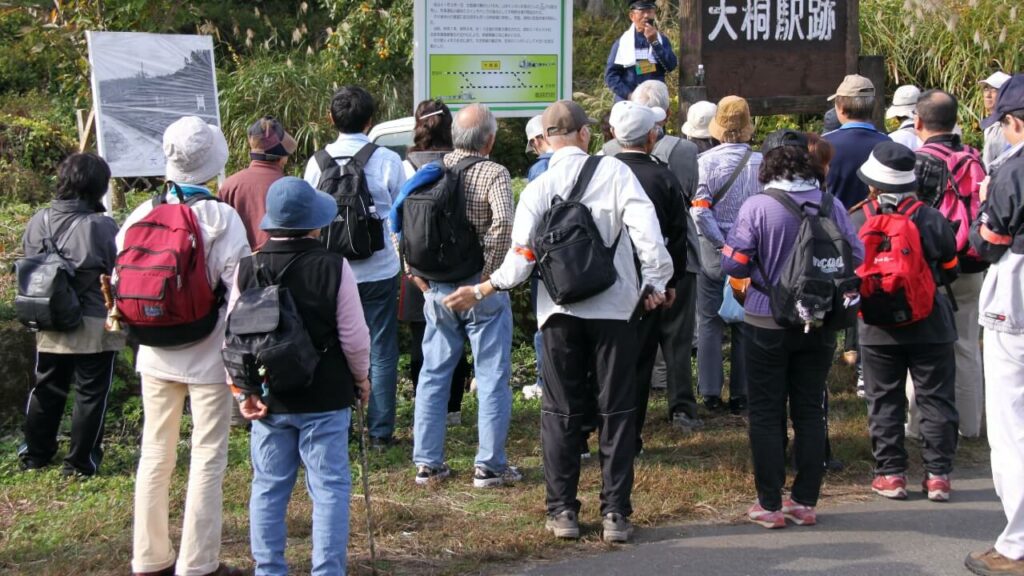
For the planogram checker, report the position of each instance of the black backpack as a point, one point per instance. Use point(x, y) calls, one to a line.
point(267, 349)
point(46, 298)
point(819, 286)
point(438, 241)
point(357, 231)
point(574, 263)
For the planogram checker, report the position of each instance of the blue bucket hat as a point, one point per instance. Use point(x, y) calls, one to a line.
point(292, 204)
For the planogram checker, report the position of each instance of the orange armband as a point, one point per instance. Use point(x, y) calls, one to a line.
point(525, 253)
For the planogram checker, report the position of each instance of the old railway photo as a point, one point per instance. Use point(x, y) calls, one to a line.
point(141, 84)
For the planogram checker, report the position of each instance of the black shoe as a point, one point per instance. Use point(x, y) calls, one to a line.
point(382, 444)
point(714, 404)
point(834, 465)
point(31, 465)
point(72, 472)
point(738, 405)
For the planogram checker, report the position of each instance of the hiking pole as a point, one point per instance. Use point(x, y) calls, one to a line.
point(366, 483)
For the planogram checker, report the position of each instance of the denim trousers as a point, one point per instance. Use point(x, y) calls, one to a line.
point(279, 443)
point(380, 306)
point(488, 326)
point(710, 365)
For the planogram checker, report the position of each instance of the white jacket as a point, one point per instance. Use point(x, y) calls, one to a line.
point(224, 244)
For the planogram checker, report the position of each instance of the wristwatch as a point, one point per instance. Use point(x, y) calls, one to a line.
point(240, 396)
point(477, 293)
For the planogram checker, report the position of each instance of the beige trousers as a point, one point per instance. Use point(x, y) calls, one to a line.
point(163, 401)
point(970, 400)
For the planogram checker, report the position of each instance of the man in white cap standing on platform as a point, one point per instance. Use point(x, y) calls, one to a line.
point(904, 100)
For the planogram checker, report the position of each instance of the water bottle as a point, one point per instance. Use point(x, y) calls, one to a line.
point(699, 78)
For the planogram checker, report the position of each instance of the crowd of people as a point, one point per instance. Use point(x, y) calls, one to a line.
point(637, 256)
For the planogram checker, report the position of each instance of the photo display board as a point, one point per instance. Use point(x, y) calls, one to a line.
point(514, 57)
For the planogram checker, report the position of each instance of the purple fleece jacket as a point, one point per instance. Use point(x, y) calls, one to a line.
point(765, 233)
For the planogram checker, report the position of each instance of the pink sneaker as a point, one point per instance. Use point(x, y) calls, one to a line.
point(892, 486)
point(937, 486)
point(799, 514)
point(759, 515)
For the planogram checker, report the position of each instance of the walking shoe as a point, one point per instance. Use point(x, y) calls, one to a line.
point(617, 528)
point(892, 486)
point(169, 571)
point(759, 515)
point(484, 478)
point(30, 465)
point(683, 423)
point(937, 486)
point(532, 391)
point(424, 474)
point(585, 449)
point(225, 570)
point(454, 419)
point(713, 404)
point(992, 563)
point(862, 391)
point(563, 525)
point(798, 513)
point(381, 444)
point(738, 405)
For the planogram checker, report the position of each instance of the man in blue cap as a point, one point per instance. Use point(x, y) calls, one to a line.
point(642, 53)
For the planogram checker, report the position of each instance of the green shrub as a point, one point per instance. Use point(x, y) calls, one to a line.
point(30, 150)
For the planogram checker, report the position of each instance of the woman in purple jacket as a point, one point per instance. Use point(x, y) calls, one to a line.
point(782, 364)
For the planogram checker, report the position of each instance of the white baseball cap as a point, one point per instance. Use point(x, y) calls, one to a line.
point(698, 118)
point(904, 101)
point(534, 128)
point(631, 121)
point(996, 80)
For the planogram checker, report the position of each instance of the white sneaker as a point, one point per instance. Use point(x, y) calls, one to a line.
point(861, 390)
point(532, 391)
point(454, 419)
point(484, 478)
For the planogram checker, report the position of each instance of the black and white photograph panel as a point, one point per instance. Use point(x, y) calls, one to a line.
point(141, 83)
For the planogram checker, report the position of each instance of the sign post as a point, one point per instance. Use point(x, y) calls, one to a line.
point(783, 56)
point(515, 57)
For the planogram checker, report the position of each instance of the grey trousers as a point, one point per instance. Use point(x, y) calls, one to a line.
point(710, 368)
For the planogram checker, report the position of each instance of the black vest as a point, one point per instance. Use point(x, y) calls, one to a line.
point(313, 283)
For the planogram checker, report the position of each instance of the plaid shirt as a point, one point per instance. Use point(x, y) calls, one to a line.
point(489, 209)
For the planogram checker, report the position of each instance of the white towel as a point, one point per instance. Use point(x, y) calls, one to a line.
point(626, 54)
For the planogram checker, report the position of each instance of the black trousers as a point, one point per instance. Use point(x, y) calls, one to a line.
point(55, 374)
point(676, 334)
point(573, 347)
point(787, 366)
point(933, 370)
point(459, 377)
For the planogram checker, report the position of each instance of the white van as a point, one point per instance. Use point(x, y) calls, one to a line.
point(395, 135)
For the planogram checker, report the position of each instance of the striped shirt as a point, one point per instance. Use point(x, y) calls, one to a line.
point(715, 219)
point(489, 210)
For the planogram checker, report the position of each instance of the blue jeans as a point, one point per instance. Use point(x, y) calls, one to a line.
point(488, 326)
point(277, 444)
point(380, 307)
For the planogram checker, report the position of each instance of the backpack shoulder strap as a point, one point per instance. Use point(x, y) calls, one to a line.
point(584, 177)
point(825, 205)
point(732, 178)
point(324, 160)
point(787, 202)
point(197, 198)
point(663, 143)
point(909, 207)
point(870, 208)
point(363, 156)
point(465, 163)
point(262, 275)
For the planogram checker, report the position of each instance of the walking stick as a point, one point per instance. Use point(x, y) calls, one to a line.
point(361, 422)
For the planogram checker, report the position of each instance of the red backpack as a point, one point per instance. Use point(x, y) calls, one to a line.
point(958, 200)
point(897, 287)
point(162, 291)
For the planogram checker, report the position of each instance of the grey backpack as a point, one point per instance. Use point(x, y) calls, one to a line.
point(46, 298)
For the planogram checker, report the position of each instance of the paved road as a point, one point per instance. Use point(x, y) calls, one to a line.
point(879, 537)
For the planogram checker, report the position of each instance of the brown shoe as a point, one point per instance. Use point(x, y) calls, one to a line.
point(992, 563)
point(225, 570)
point(169, 571)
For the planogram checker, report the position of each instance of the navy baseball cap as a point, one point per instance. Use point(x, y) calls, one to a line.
point(782, 138)
point(1010, 99)
point(641, 5)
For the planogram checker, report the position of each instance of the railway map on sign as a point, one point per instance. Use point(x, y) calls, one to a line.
point(517, 58)
point(141, 83)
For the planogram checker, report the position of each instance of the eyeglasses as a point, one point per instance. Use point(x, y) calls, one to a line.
point(989, 90)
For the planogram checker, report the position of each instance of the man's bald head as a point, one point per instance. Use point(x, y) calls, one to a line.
point(937, 111)
point(474, 129)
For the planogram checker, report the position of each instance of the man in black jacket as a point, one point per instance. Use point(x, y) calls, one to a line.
point(635, 129)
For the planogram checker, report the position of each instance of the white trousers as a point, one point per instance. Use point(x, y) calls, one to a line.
point(970, 398)
point(1004, 373)
point(162, 402)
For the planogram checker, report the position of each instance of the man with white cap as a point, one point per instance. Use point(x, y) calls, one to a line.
point(635, 129)
point(903, 102)
point(698, 119)
point(537, 144)
point(995, 141)
point(196, 153)
point(590, 343)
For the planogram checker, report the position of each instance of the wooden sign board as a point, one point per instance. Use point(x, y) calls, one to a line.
point(783, 56)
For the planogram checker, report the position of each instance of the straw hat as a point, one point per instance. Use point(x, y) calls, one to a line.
point(732, 121)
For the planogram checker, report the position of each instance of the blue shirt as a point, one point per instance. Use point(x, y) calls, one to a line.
point(622, 80)
point(853, 143)
point(384, 177)
point(538, 167)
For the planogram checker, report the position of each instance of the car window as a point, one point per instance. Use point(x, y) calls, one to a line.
point(398, 142)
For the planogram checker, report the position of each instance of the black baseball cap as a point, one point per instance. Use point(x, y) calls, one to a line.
point(784, 137)
point(641, 5)
point(1010, 99)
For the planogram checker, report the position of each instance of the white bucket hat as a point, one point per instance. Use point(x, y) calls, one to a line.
point(196, 151)
point(904, 101)
point(698, 118)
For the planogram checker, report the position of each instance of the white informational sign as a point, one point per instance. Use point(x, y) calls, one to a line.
point(516, 57)
point(141, 83)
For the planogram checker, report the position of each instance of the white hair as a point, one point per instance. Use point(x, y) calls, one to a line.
point(651, 93)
